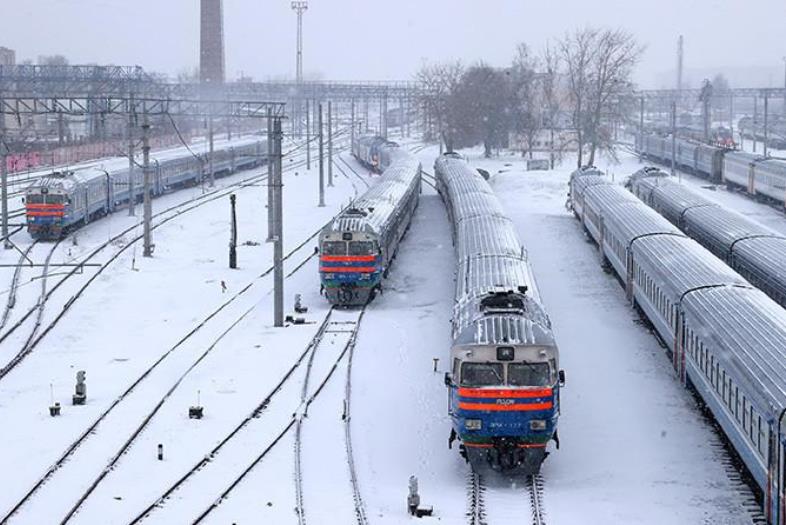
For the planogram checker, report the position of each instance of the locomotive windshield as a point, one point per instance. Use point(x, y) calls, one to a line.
point(506, 301)
point(362, 248)
point(334, 248)
point(35, 198)
point(529, 374)
point(482, 374)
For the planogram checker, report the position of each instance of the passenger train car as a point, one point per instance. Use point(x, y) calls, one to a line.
point(504, 384)
point(755, 251)
point(759, 176)
point(726, 339)
point(66, 200)
point(358, 246)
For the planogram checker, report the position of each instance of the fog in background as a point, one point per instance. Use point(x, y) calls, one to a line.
point(374, 40)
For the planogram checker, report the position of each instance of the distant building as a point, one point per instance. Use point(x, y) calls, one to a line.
point(211, 49)
point(7, 57)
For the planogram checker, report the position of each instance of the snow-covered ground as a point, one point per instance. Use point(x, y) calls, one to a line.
point(635, 449)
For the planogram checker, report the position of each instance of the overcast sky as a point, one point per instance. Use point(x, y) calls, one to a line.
point(375, 40)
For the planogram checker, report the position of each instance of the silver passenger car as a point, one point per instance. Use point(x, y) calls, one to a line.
point(754, 250)
point(726, 339)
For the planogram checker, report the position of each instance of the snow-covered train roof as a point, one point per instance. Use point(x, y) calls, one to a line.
point(502, 329)
point(749, 328)
point(88, 172)
point(632, 220)
point(376, 208)
point(496, 297)
point(680, 264)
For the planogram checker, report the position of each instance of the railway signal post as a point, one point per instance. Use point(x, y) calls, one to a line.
point(233, 235)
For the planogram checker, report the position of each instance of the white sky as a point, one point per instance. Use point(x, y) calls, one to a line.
point(374, 40)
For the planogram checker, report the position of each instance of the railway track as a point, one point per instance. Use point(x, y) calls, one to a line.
point(476, 501)
point(429, 179)
point(351, 324)
point(357, 498)
point(168, 215)
point(352, 170)
point(536, 489)
point(115, 412)
point(12, 289)
point(476, 505)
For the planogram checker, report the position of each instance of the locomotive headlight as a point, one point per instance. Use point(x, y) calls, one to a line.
point(537, 424)
point(328, 276)
point(473, 424)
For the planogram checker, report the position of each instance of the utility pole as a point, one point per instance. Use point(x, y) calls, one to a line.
point(4, 179)
point(674, 138)
point(299, 6)
point(278, 240)
point(330, 144)
point(270, 176)
point(148, 204)
point(233, 235)
point(321, 162)
point(308, 135)
point(211, 166)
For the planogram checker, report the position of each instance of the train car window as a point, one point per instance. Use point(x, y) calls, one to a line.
point(456, 365)
point(529, 374)
point(362, 248)
point(334, 248)
point(482, 374)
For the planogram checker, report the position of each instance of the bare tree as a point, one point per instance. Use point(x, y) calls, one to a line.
point(553, 101)
point(527, 93)
point(599, 66)
point(439, 82)
point(617, 53)
point(577, 51)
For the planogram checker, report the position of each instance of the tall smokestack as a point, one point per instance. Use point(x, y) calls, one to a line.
point(211, 53)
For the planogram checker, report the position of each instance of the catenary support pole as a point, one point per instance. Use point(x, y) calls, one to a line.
point(755, 121)
point(147, 250)
point(278, 246)
point(766, 122)
point(673, 138)
point(330, 144)
point(270, 175)
point(308, 135)
point(4, 180)
point(131, 170)
point(321, 160)
point(641, 130)
point(210, 148)
point(352, 124)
